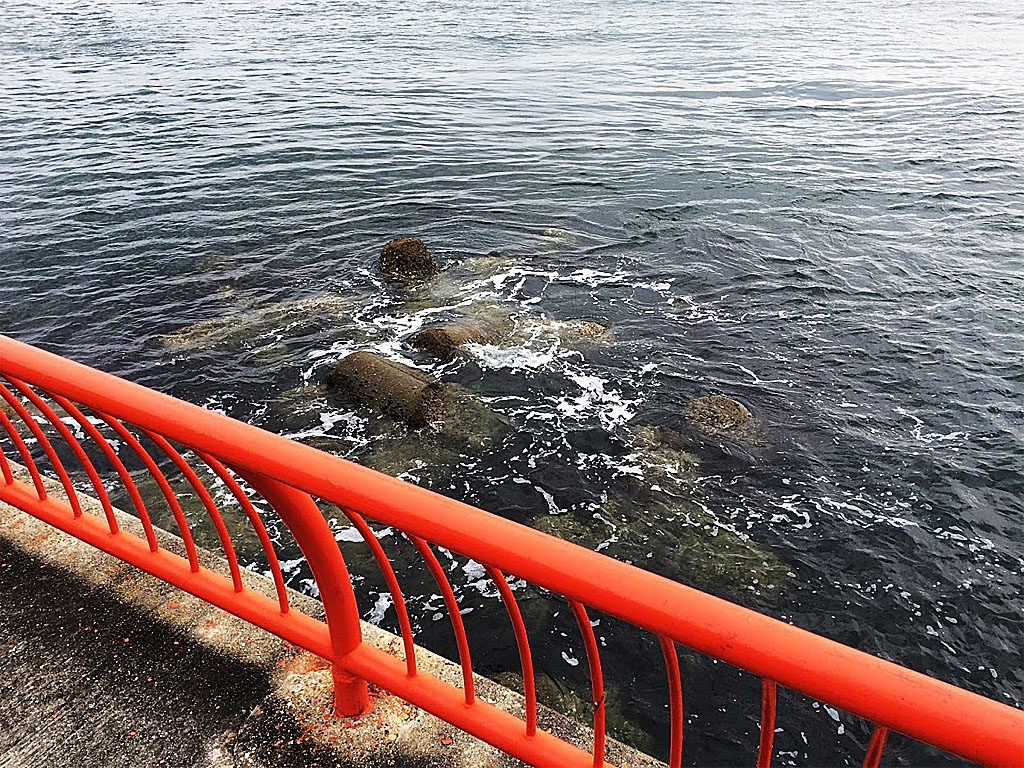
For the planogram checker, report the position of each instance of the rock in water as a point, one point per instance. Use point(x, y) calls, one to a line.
point(398, 390)
point(7, 408)
point(445, 341)
point(718, 414)
point(559, 235)
point(580, 330)
point(408, 258)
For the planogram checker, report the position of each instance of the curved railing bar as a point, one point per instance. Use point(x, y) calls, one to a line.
point(204, 496)
point(453, 612)
point(305, 521)
point(875, 746)
point(26, 455)
point(44, 443)
point(76, 449)
point(161, 481)
point(877, 690)
point(675, 695)
point(5, 468)
point(522, 642)
point(255, 521)
point(764, 749)
point(393, 587)
point(596, 681)
point(115, 461)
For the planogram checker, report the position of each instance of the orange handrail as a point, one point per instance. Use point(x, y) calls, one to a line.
point(289, 476)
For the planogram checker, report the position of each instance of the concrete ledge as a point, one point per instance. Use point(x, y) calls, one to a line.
point(103, 665)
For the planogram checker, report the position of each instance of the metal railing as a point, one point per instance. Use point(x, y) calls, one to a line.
point(44, 390)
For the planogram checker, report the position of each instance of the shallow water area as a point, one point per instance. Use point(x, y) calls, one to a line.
point(814, 208)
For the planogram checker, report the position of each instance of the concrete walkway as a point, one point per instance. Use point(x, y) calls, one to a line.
point(103, 666)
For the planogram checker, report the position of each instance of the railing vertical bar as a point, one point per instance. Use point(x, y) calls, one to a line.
point(675, 695)
point(254, 519)
point(204, 496)
point(764, 750)
point(875, 746)
point(5, 469)
point(26, 455)
point(161, 481)
point(405, 627)
point(47, 447)
point(522, 642)
point(596, 681)
point(453, 611)
point(115, 461)
point(76, 449)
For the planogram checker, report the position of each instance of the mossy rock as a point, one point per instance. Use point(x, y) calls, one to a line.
point(682, 534)
point(577, 331)
point(466, 421)
point(703, 552)
point(417, 456)
point(668, 457)
point(559, 236)
point(574, 704)
point(404, 393)
point(582, 330)
point(718, 414)
point(446, 341)
point(408, 258)
point(299, 406)
point(247, 321)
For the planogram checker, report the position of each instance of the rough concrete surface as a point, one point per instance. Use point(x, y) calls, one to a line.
point(104, 665)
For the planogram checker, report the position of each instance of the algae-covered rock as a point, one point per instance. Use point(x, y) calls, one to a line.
point(667, 457)
point(702, 551)
point(718, 414)
point(580, 330)
point(557, 235)
point(398, 390)
point(408, 258)
point(576, 704)
point(247, 320)
point(418, 457)
point(463, 427)
point(686, 540)
point(299, 406)
point(551, 693)
point(7, 408)
point(544, 329)
point(446, 341)
point(466, 421)
point(489, 265)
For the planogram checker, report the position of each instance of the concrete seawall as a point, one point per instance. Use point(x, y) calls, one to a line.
point(102, 665)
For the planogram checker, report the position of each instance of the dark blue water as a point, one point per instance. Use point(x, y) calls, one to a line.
point(814, 207)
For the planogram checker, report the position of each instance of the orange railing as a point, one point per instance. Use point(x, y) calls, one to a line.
point(50, 396)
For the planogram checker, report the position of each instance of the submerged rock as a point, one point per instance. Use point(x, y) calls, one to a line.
point(718, 415)
point(690, 543)
point(408, 258)
point(579, 330)
point(696, 545)
point(668, 458)
point(564, 331)
point(467, 421)
point(559, 235)
point(463, 426)
point(489, 265)
point(248, 321)
point(398, 390)
point(445, 341)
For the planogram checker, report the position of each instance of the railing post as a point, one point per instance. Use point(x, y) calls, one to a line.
point(306, 523)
